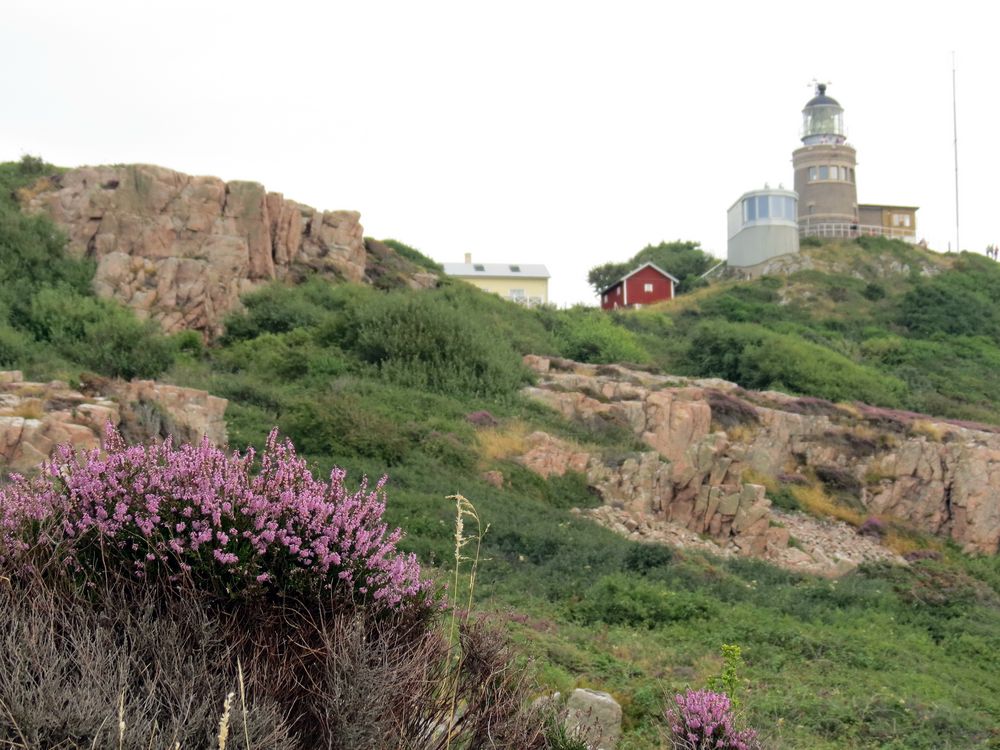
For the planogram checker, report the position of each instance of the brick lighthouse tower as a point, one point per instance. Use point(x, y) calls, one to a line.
point(824, 170)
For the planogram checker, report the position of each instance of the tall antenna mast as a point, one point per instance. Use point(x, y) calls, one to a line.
point(954, 113)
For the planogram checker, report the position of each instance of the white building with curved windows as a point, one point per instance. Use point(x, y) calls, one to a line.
point(763, 224)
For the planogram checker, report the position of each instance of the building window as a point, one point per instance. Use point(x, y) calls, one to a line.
point(515, 269)
point(901, 220)
point(647, 287)
point(824, 172)
point(478, 267)
point(604, 299)
point(762, 208)
point(516, 294)
point(777, 210)
point(812, 173)
point(749, 210)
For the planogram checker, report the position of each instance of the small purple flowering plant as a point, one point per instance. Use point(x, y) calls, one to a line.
point(197, 512)
point(704, 720)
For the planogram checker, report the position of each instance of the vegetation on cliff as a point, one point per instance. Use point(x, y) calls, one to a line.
point(49, 316)
point(385, 381)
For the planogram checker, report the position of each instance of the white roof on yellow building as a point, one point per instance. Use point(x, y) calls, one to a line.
point(494, 270)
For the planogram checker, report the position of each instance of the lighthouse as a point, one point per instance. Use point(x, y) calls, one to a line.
point(825, 170)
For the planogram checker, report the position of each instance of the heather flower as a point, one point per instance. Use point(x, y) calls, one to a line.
point(704, 721)
point(196, 509)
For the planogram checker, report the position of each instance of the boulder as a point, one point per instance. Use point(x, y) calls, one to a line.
point(595, 717)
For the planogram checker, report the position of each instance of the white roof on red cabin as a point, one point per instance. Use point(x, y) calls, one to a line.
point(633, 273)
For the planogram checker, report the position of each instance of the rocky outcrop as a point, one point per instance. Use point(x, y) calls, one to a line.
point(36, 417)
point(182, 249)
point(643, 486)
point(709, 439)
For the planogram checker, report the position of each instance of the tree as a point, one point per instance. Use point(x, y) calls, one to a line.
point(601, 277)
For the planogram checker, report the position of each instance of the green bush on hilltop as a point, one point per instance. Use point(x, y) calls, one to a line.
point(420, 341)
point(413, 255)
point(589, 335)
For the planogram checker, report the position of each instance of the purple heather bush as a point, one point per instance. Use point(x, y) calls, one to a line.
point(197, 513)
point(704, 721)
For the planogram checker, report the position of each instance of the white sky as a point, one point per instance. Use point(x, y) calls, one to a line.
point(563, 133)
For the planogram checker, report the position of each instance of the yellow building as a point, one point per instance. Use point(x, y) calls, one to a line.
point(527, 284)
point(899, 222)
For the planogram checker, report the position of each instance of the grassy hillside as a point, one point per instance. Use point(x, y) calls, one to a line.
point(883, 322)
point(381, 382)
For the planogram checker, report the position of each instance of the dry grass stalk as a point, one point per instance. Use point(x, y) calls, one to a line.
point(224, 722)
point(463, 509)
point(121, 720)
point(243, 702)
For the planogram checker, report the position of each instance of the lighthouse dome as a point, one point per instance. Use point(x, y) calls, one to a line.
point(822, 119)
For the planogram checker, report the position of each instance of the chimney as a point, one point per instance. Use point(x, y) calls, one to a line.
point(468, 258)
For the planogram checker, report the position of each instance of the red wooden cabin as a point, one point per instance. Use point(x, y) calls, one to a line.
point(645, 285)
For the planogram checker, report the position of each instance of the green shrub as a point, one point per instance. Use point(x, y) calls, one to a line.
point(874, 291)
point(643, 558)
point(621, 600)
point(414, 256)
point(274, 309)
point(32, 257)
point(760, 359)
point(99, 334)
point(421, 341)
point(14, 346)
point(589, 335)
point(449, 449)
point(339, 424)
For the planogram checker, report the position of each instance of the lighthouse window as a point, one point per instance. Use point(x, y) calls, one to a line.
point(812, 173)
point(790, 209)
point(762, 212)
point(749, 210)
point(824, 172)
